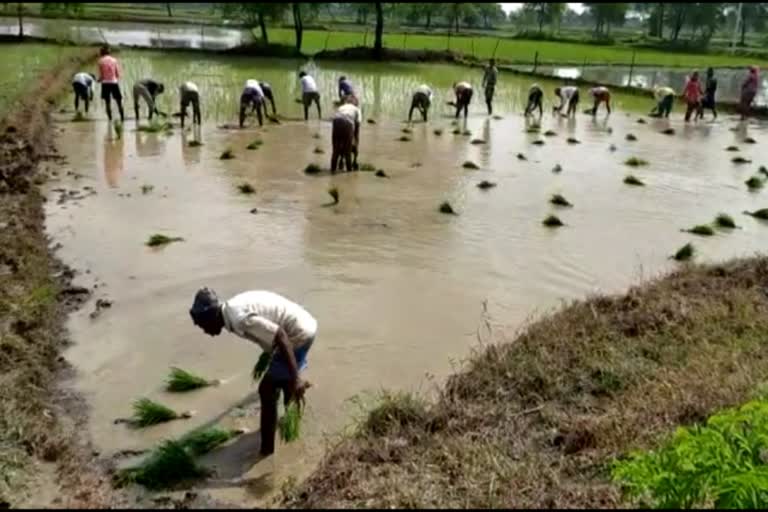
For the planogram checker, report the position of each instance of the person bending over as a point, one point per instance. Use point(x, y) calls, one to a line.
point(190, 95)
point(148, 90)
point(421, 100)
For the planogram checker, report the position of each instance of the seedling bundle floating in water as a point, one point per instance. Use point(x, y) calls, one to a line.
point(147, 412)
point(573, 140)
point(466, 133)
point(200, 442)
point(367, 167)
point(477, 141)
point(168, 464)
point(157, 240)
point(438, 131)
point(246, 188)
point(181, 380)
point(319, 151)
point(634, 181)
point(470, 165)
point(538, 142)
point(750, 140)
point(406, 130)
point(290, 424)
point(754, 183)
point(668, 131)
point(313, 169)
point(740, 160)
point(763, 170)
point(685, 253)
point(334, 193)
point(521, 156)
point(484, 185)
point(550, 133)
point(761, 214)
point(381, 174)
point(404, 138)
point(559, 200)
point(557, 168)
point(194, 144)
point(731, 148)
point(228, 154)
point(701, 230)
point(256, 144)
point(723, 220)
point(446, 208)
point(635, 162)
point(371, 121)
point(146, 189)
point(630, 137)
point(456, 131)
point(552, 221)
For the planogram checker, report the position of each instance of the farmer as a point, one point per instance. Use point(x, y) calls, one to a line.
point(422, 99)
point(309, 94)
point(189, 95)
point(345, 136)
point(569, 96)
point(710, 89)
point(252, 96)
point(463, 91)
point(82, 84)
point(147, 89)
point(278, 326)
point(749, 91)
point(490, 76)
point(601, 95)
point(535, 95)
point(692, 94)
point(109, 76)
point(268, 94)
point(664, 97)
point(347, 92)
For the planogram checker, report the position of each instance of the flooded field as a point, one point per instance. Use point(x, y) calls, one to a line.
point(398, 288)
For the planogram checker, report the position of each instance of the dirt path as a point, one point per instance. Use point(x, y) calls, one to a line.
point(45, 457)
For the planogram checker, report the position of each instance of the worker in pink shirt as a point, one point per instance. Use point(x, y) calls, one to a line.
point(109, 76)
point(692, 94)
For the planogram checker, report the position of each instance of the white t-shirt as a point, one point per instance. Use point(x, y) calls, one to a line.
point(463, 85)
point(257, 316)
point(308, 84)
point(254, 87)
point(567, 92)
point(83, 78)
point(351, 112)
point(188, 87)
point(424, 89)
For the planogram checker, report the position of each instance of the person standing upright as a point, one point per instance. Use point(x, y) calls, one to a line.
point(109, 77)
point(710, 89)
point(749, 91)
point(490, 76)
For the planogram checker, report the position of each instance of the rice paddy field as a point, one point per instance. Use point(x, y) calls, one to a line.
point(398, 281)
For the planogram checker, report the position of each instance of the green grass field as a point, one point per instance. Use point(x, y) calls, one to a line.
point(21, 64)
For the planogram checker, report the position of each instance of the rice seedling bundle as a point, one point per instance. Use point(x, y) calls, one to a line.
point(761, 214)
point(246, 188)
point(634, 181)
point(630, 137)
point(168, 464)
point(635, 162)
point(521, 156)
point(147, 412)
point(550, 133)
point(477, 141)
point(740, 160)
point(334, 193)
point(289, 424)
point(446, 208)
point(199, 442)
point(750, 140)
point(256, 144)
point(723, 220)
point(367, 167)
point(313, 169)
point(573, 140)
point(702, 230)
point(668, 131)
point(754, 183)
point(470, 165)
point(195, 144)
point(438, 131)
point(146, 189)
point(319, 151)
point(685, 253)
point(381, 174)
point(157, 240)
point(557, 168)
point(538, 142)
point(406, 130)
point(404, 138)
point(731, 148)
point(559, 200)
point(552, 221)
point(228, 154)
point(484, 185)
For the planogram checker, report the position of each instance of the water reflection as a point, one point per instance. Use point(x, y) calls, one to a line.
point(148, 144)
point(114, 159)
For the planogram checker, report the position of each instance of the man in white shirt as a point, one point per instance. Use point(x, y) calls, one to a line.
point(569, 96)
point(345, 136)
point(252, 96)
point(189, 94)
point(421, 100)
point(309, 93)
point(82, 84)
point(278, 326)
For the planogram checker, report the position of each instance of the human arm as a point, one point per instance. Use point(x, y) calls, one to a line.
point(273, 338)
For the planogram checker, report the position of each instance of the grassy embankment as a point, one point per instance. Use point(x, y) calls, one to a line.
point(538, 420)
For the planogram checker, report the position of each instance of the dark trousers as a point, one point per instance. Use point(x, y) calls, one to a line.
point(344, 143)
point(269, 394)
point(109, 91)
point(83, 92)
point(420, 101)
point(463, 99)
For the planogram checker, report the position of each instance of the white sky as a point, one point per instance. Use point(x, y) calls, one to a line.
point(515, 6)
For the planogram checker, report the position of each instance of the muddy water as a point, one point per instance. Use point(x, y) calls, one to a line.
point(398, 289)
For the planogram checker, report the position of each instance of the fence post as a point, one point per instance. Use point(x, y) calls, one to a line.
point(405, 39)
point(202, 37)
point(449, 41)
point(536, 61)
point(365, 37)
point(498, 42)
point(473, 46)
point(631, 69)
point(328, 36)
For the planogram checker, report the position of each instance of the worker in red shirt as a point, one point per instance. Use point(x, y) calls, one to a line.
point(109, 77)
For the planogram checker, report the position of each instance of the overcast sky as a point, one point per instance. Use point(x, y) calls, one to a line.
point(513, 7)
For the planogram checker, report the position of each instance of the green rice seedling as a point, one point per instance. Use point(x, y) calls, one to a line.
point(181, 380)
point(313, 169)
point(470, 165)
point(684, 253)
point(194, 144)
point(754, 183)
point(406, 130)
point(334, 193)
point(668, 131)
point(381, 174)
point(169, 464)
point(763, 170)
point(477, 142)
point(749, 140)
point(633, 180)
point(723, 220)
point(146, 189)
point(573, 140)
point(701, 230)
point(497, 118)
point(118, 129)
point(446, 208)
point(256, 144)
point(199, 442)
point(228, 154)
point(456, 131)
point(538, 142)
point(289, 424)
point(298, 100)
point(155, 126)
point(319, 151)
point(740, 160)
point(557, 168)
point(466, 133)
point(521, 156)
point(761, 214)
point(246, 188)
point(552, 221)
point(731, 148)
point(485, 184)
point(630, 137)
point(370, 121)
point(79, 116)
point(158, 240)
point(404, 138)
point(147, 412)
point(438, 131)
point(550, 133)
point(367, 167)
point(533, 129)
point(635, 162)
point(261, 365)
point(559, 200)
point(641, 121)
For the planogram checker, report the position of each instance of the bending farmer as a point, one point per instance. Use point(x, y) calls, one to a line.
point(601, 95)
point(463, 91)
point(347, 92)
point(345, 137)
point(664, 97)
point(535, 95)
point(82, 84)
point(309, 94)
point(569, 97)
point(109, 76)
point(279, 327)
point(147, 89)
point(421, 100)
point(189, 95)
point(252, 96)
point(267, 90)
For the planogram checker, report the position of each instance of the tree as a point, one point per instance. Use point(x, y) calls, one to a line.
point(254, 13)
point(62, 8)
point(426, 11)
point(298, 27)
point(490, 13)
point(605, 15)
point(456, 13)
point(677, 17)
point(545, 13)
point(754, 16)
point(378, 47)
point(705, 17)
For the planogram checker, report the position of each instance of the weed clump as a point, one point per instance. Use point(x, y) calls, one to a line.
point(485, 184)
point(559, 200)
point(228, 154)
point(157, 240)
point(170, 463)
point(754, 183)
point(761, 214)
point(438, 131)
point(552, 221)
point(701, 230)
point(668, 131)
point(723, 220)
point(630, 137)
point(146, 189)
point(313, 169)
point(731, 148)
point(634, 181)
point(181, 380)
point(147, 412)
point(470, 165)
point(446, 208)
point(740, 160)
point(635, 162)
point(334, 193)
point(256, 144)
point(685, 253)
point(477, 141)
point(573, 140)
